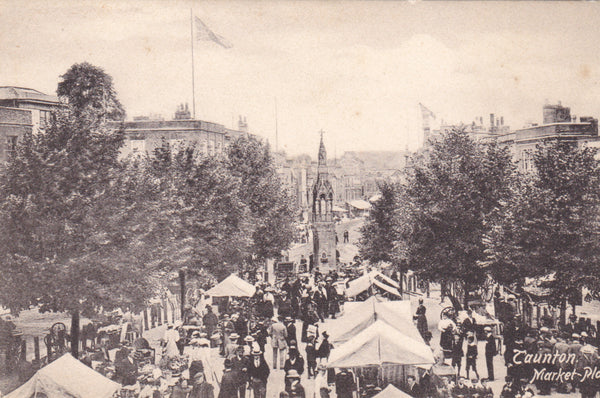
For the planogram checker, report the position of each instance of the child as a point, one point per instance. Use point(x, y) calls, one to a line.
point(311, 357)
point(472, 354)
point(457, 353)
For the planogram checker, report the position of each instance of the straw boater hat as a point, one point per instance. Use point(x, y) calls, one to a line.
point(234, 336)
point(256, 351)
point(249, 339)
point(203, 342)
point(292, 374)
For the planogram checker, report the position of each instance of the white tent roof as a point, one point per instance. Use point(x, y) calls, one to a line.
point(392, 392)
point(362, 315)
point(67, 377)
point(376, 278)
point(380, 344)
point(232, 286)
point(339, 209)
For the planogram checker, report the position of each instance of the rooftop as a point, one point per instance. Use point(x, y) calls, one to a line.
point(22, 93)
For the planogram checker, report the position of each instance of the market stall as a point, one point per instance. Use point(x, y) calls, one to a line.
point(372, 279)
point(67, 377)
point(232, 286)
point(364, 314)
point(382, 354)
point(392, 392)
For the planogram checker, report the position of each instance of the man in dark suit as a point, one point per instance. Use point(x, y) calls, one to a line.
point(490, 352)
point(291, 329)
point(229, 383)
point(258, 373)
point(344, 384)
point(469, 324)
point(239, 367)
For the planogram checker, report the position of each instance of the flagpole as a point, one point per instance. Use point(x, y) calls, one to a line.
point(276, 128)
point(193, 80)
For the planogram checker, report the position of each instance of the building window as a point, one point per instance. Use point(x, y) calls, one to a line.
point(45, 119)
point(11, 145)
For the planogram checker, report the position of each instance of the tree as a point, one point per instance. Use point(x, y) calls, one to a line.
point(64, 241)
point(88, 90)
point(205, 222)
point(452, 197)
point(378, 234)
point(550, 229)
point(261, 190)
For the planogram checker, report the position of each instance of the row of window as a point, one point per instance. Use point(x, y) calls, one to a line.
point(210, 148)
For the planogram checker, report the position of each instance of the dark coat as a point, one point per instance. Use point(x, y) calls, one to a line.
point(490, 346)
point(324, 349)
point(298, 365)
point(229, 385)
point(237, 366)
point(291, 332)
point(261, 372)
point(204, 390)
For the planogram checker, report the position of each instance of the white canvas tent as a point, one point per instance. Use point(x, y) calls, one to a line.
point(66, 377)
point(373, 278)
point(378, 345)
point(232, 286)
point(392, 392)
point(360, 316)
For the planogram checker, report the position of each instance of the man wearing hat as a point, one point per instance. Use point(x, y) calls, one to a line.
point(239, 366)
point(571, 327)
point(201, 388)
point(490, 351)
point(292, 384)
point(258, 373)
point(229, 382)
point(209, 321)
point(344, 384)
point(231, 348)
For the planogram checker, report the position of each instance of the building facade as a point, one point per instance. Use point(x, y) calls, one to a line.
point(558, 124)
point(322, 223)
point(22, 110)
point(144, 134)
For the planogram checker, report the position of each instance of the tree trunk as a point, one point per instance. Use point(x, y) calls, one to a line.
point(182, 286)
point(401, 272)
point(75, 334)
point(563, 312)
point(466, 290)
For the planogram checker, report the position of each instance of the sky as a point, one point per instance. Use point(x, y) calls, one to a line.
point(356, 70)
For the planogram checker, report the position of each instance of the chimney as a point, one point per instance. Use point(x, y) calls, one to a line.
point(501, 120)
point(491, 120)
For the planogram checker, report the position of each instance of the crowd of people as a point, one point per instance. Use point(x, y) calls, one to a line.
point(240, 332)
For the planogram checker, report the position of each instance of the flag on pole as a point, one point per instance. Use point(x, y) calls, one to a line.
point(426, 112)
point(203, 33)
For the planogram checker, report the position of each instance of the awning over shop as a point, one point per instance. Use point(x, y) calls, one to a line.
point(232, 286)
point(66, 377)
point(360, 204)
point(380, 344)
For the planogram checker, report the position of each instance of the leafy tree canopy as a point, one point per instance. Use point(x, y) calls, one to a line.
point(452, 196)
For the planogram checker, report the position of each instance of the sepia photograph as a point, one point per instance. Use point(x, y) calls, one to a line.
point(310, 199)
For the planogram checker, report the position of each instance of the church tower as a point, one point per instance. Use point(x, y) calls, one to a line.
point(323, 226)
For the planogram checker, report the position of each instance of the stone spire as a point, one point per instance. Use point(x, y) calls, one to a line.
point(322, 156)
